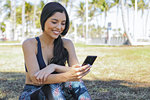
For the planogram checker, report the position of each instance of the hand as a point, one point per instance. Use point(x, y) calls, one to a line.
point(42, 75)
point(76, 72)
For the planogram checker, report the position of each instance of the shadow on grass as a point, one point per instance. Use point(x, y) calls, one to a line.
point(11, 85)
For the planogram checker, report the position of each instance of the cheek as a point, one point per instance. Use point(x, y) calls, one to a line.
point(63, 27)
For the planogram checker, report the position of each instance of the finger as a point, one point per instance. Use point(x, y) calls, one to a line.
point(85, 68)
point(45, 77)
point(42, 78)
point(76, 66)
point(85, 73)
point(36, 74)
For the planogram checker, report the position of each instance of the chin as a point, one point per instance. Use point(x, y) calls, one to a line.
point(55, 37)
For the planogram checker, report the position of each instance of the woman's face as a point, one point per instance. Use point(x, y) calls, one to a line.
point(55, 25)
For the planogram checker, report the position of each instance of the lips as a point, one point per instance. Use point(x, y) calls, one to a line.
point(56, 32)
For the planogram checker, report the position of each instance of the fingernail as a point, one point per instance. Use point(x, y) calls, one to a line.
point(88, 64)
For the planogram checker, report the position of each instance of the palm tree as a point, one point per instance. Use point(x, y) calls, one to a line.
point(105, 7)
point(116, 3)
point(28, 16)
point(81, 14)
point(34, 18)
point(38, 13)
point(125, 24)
point(142, 6)
point(148, 8)
point(13, 20)
point(23, 19)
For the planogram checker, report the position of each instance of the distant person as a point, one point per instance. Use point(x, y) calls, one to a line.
point(47, 75)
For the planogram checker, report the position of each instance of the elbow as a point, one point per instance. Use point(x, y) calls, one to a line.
point(33, 79)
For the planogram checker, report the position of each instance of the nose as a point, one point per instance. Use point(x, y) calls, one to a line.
point(59, 26)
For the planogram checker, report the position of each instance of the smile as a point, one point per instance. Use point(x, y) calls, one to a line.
point(56, 32)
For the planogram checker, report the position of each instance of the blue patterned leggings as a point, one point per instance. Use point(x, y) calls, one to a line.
point(61, 91)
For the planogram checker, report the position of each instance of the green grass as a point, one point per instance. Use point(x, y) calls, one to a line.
point(119, 73)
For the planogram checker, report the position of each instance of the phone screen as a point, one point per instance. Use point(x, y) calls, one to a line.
point(89, 60)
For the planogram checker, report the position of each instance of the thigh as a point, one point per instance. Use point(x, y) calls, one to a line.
point(79, 90)
point(30, 92)
point(57, 92)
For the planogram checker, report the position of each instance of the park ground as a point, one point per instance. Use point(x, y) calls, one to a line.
point(119, 73)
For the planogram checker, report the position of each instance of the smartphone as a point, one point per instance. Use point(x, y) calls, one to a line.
point(89, 60)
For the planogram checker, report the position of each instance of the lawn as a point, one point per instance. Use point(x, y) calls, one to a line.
point(119, 73)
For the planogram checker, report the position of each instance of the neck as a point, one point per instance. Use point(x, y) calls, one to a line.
point(46, 39)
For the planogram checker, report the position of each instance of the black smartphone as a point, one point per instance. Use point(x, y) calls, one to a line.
point(89, 60)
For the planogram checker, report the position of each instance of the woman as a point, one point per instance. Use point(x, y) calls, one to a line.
point(47, 77)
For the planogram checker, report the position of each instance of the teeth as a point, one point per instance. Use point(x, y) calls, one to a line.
point(56, 32)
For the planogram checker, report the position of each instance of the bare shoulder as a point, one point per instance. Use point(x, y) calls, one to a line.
point(67, 43)
point(29, 43)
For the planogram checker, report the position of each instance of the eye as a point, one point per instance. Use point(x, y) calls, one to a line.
point(54, 22)
point(63, 23)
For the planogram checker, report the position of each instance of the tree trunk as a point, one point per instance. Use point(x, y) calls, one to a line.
point(117, 18)
point(13, 19)
point(146, 28)
point(87, 21)
point(135, 22)
point(124, 23)
point(23, 19)
point(34, 25)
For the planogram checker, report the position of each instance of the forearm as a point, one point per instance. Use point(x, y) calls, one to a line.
point(55, 78)
point(61, 69)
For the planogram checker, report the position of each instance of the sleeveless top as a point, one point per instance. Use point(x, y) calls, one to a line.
point(39, 56)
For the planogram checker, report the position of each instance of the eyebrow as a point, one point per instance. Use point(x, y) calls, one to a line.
point(57, 20)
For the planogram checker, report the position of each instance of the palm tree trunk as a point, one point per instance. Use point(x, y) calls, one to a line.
point(14, 17)
point(135, 21)
point(86, 20)
point(34, 25)
point(12, 20)
point(124, 23)
point(23, 19)
point(117, 17)
point(146, 28)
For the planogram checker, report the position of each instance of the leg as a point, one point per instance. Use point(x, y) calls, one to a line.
point(32, 92)
point(57, 92)
point(78, 90)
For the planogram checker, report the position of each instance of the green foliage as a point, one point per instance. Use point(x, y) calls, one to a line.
point(95, 32)
point(19, 15)
point(81, 11)
point(2, 26)
point(7, 7)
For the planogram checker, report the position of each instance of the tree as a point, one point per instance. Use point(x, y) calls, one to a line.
point(116, 3)
point(81, 14)
point(146, 28)
point(23, 19)
point(104, 7)
point(2, 27)
point(28, 16)
point(142, 6)
point(125, 24)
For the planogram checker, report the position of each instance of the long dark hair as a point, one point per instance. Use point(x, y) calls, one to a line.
point(60, 54)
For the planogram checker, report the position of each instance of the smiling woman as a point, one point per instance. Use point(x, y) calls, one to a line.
point(55, 25)
point(47, 76)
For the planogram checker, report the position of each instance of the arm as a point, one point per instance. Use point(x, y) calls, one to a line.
point(30, 50)
point(73, 73)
